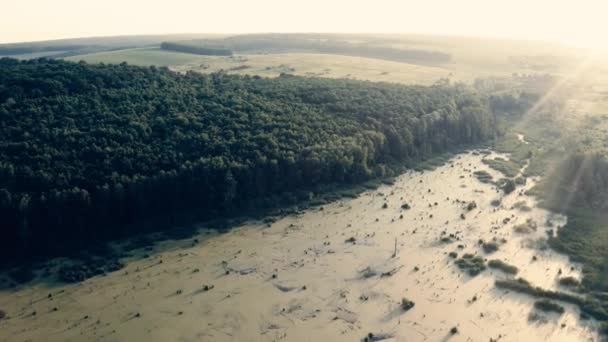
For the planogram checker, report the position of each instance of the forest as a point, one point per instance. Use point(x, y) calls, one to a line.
point(88, 151)
point(199, 50)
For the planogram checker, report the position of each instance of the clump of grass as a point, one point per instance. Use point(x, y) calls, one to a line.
point(548, 306)
point(385, 205)
point(405, 206)
point(2, 314)
point(495, 202)
point(406, 304)
point(453, 255)
point(472, 264)
point(483, 176)
point(520, 180)
point(503, 266)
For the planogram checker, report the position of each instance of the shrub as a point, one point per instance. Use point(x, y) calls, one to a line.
point(471, 264)
point(406, 304)
point(548, 306)
point(500, 265)
point(483, 176)
point(569, 282)
point(472, 205)
point(489, 247)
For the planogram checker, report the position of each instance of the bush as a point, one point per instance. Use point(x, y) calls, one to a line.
point(406, 304)
point(471, 264)
point(489, 247)
point(506, 185)
point(569, 282)
point(500, 265)
point(483, 176)
point(472, 205)
point(548, 306)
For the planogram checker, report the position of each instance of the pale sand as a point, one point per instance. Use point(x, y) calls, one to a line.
point(309, 250)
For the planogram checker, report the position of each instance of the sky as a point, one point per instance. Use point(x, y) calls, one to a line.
point(581, 23)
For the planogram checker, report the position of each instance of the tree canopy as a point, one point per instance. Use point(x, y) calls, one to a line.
point(88, 151)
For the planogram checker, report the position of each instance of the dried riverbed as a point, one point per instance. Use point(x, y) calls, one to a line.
point(328, 274)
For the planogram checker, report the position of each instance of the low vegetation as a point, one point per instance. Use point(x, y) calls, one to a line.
point(489, 247)
point(549, 306)
point(483, 176)
point(406, 304)
point(503, 266)
point(472, 264)
point(506, 167)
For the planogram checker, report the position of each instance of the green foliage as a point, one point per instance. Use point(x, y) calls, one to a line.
point(503, 266)
point(489, 247)
point(407, 304)
point(483, 176)
point(88, 152)
point(549, 306)
point(569, 282)
point(507, 185)
point(472, 264)
point(198, 50)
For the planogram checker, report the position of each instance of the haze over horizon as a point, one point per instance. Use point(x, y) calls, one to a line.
point(574, 23)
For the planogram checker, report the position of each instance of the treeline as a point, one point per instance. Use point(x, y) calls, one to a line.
point(328, 44)
point(87, 152)
point(199, 50)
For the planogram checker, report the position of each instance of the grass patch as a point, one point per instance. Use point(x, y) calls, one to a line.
point(506, 167)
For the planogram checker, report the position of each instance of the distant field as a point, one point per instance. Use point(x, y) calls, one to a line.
point(271, 65)
point(139, 56)
point(471, 58)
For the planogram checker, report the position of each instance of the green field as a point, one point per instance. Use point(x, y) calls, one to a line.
point(138, 56)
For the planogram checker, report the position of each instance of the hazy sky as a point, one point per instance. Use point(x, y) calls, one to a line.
point(580, 22)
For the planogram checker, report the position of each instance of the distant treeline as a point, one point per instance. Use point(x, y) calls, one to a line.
point(199, 50)
point(23, 48)
point(328, 44)
point(87, 152)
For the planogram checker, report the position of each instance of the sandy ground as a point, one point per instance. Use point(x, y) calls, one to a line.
point(298, 280)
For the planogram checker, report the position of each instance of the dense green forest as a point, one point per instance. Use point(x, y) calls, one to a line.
point(199, 50)
point(87, 151)
point(319, 43)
